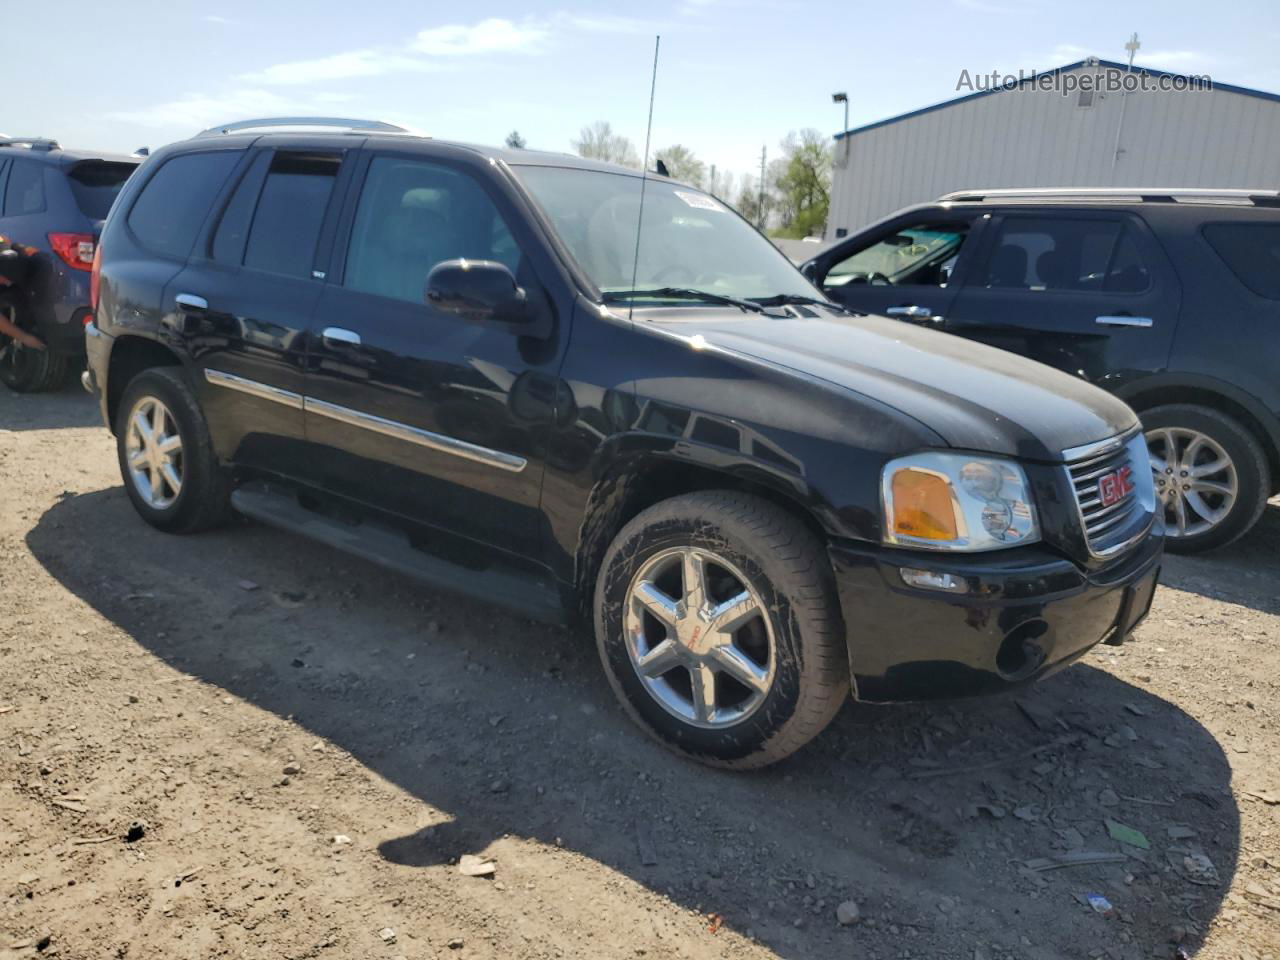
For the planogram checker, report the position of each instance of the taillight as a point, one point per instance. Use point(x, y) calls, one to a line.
point(75, 249)
point(95, 277)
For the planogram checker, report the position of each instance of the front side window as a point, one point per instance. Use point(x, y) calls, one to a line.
point(414, 214)
point(291, 207)
point(688, 239)
point(1252, 251)
point(923, 255)
point(25, 192)
point(174, 203)
point(1063, 254)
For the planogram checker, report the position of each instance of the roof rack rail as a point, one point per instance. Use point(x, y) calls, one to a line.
point(1260, 198)
point(343, 123)
point(35, 143)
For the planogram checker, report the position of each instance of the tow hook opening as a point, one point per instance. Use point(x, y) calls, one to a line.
point(1023, 650)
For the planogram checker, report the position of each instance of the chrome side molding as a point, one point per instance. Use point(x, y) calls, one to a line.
point(423, 438)
point(1123, 321)
point(262, 391)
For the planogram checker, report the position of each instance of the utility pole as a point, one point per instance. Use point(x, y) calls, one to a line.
point(763, 154)
point(1132, 46)
point(712, 191)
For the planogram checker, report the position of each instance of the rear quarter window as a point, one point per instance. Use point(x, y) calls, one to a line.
point(174, 203)
point(24, 194)
point(1251, 251)
point(96, 183)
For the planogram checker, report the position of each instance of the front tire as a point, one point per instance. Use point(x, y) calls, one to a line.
point(1211, 474)
point(718, 628)
point(167, 462)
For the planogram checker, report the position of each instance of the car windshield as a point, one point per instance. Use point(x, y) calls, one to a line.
point(95, 184)
point(691, 242)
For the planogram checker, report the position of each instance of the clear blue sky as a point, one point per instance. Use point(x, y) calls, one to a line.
point(734, 74)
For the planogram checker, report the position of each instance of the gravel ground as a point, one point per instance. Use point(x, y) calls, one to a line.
point(244, 745)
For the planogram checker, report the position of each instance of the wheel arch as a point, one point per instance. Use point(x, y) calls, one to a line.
point(637, 481)
point(1216, 395)
point(130, 355)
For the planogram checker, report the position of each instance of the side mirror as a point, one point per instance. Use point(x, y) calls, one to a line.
point(477, 290)
point(810, 270)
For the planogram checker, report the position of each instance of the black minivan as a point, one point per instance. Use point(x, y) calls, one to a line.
point(1170, 299)
point(597, 396)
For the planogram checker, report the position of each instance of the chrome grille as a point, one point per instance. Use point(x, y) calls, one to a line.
point(1112, 523)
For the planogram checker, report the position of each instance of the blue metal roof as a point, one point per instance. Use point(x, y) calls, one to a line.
point(1230, 88)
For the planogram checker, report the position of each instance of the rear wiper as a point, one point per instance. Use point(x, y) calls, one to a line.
point(786, 298)
point(689, 293)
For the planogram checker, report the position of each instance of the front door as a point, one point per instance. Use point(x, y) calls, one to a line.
point(412, 409)
point(908, 269)
point(1088, 292)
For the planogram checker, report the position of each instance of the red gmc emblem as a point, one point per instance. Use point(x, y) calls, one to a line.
point(1115, 486)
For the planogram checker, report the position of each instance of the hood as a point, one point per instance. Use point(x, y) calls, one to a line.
point(974, 396)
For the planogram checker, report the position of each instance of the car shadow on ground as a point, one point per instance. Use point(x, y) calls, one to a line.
point(942, 821)
point(1242, 573)
point(55, 410)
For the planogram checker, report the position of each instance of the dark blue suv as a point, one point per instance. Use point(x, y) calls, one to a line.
point(54, 200)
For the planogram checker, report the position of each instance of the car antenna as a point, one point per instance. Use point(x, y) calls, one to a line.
point(644, 176)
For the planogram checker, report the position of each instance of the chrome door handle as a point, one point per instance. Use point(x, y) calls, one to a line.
point(1124, 321)
point(911, 310)
point(335, 336)
point(189, 301)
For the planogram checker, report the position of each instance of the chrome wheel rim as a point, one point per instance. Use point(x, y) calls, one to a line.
point(699, 637)
point(1196, 480)
point(153, 453)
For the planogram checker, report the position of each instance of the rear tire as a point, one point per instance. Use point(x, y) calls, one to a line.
point(24, 370)
point(775, 660)
point(167, 462)
point(1212, 477)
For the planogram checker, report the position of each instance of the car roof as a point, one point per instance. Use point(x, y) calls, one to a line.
point(60, 156)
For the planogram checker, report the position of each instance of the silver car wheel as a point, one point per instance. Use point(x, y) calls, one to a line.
point(153, 452)
point(1196, 480)
point(699, 637)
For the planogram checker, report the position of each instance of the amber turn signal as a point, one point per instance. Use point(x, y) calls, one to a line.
point(923, 505)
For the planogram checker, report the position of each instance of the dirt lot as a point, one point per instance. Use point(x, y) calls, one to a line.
point(245, 745)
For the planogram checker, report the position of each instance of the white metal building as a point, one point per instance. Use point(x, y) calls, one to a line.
point(1048, 131)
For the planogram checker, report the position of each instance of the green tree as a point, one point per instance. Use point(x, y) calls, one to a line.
point(599, 142)
point(802, 181)
point(515, 141)
point(682, 164)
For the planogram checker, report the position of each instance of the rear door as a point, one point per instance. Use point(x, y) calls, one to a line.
point(243, 303)
point(907, 268)
point(1090, 292)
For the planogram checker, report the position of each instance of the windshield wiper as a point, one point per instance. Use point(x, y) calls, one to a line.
point(786, 298)
point(689, 293)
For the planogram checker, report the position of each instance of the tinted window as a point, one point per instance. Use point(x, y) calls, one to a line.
point(286, 224)
point(1252, 251)
point(412, 215)
point(919, 256)
point(25, 192)
point(95, 184)
point(1064, 254)
point(233, 230)
point(173, 205)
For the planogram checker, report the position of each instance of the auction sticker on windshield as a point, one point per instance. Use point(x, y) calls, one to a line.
point(699, 202)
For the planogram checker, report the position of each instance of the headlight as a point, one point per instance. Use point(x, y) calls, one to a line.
point(953, 501)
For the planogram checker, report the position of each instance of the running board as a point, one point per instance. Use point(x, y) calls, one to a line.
point(524, 593)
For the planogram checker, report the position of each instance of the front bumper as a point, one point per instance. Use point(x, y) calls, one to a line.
point(1026, 614)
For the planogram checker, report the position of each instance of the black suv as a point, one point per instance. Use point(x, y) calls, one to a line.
point(1168, 298)
point(462, 363)
point(54, 200)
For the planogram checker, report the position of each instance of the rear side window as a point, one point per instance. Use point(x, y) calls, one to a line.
point(95, 184)
point(1064, 254)
point(1252, 251)
point(25, 192)
point(174, 203)
point(286, 224)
